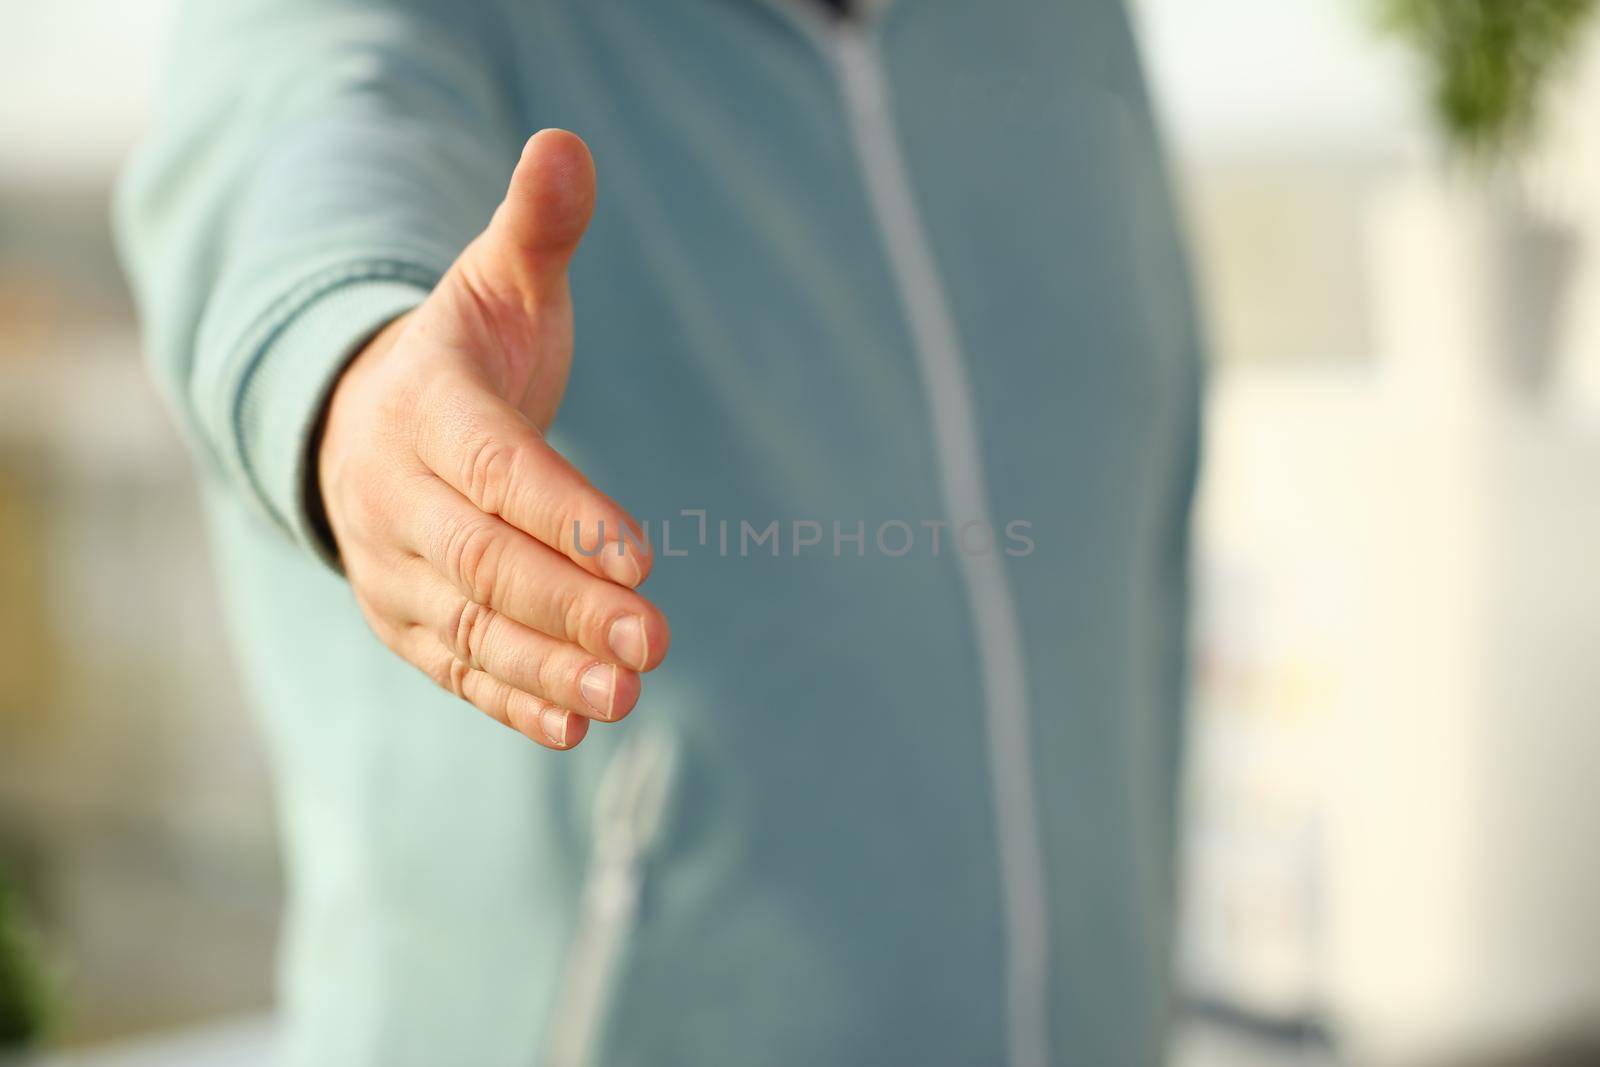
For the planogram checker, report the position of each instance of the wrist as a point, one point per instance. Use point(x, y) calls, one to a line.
point(314, 502)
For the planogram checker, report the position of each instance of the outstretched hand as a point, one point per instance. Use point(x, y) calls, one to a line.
point(457, 523)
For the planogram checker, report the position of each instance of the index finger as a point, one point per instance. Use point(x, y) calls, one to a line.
point(488, 452)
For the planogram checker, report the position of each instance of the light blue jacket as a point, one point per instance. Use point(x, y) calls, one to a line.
point(916, 275)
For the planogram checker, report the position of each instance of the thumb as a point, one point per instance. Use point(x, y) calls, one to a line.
point(547, 207)
point(506, 297)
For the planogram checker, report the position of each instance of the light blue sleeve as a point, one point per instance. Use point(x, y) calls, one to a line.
point(315, 166)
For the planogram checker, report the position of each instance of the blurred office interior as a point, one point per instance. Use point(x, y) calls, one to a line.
point(1391, 854)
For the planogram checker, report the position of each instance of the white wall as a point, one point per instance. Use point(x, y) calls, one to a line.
point(77, 77)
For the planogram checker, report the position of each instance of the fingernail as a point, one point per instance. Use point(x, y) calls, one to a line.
point(554, 723)
point(599, 685)
point(628, 641)
point(621, 565)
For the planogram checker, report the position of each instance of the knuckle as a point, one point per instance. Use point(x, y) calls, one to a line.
point(587, 522)
point(458, 678)
point(472, 555)
point(549, 673)
point(491, 465)
point(538, 503)
point(468, 630)
point(577, 617)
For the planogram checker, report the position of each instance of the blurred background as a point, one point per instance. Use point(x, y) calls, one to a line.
point(1393, 853)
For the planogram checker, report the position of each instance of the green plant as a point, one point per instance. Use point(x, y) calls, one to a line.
point(24, 999)
point(1489, 62)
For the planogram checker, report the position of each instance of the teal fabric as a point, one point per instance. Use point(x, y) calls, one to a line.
point(825, 888)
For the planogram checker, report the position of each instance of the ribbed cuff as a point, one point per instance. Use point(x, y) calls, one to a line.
point(281, 401)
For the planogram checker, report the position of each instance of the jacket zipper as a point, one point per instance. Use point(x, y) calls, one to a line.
point(630, 807)
point(995, 623)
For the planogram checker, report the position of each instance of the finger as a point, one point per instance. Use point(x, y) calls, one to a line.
point(547, 205)
point(485, 450)
point(492, 563)
point(538, 720)
point(555, 671)
point(522, 257)
point(506, 297)
point(520, 261)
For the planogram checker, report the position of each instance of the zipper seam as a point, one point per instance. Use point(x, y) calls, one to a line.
point(629, 813)
point(997, 628)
